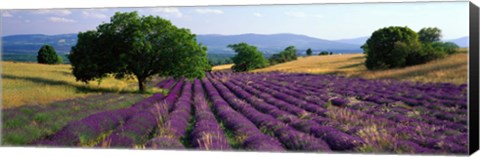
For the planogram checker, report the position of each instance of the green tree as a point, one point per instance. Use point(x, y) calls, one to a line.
point(430, 34)
point(59, 59)
point(247, 57)
point(324, 53)
point(447, 47)
point(390, 47)
point(48, 55)
point(288, 54)
point(137, 46)
point(309, 52)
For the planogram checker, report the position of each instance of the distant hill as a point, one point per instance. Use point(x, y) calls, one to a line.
point(31, 43)
point(274, 43)
point(268, 44)
point(462, 42)
point(355, 41)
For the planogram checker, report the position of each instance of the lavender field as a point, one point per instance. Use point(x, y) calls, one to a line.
point(283, 112)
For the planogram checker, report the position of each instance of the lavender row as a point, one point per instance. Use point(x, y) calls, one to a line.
point(429, 141)
point(288, 136)
point(400, 117)
point(251, 138)
point(336, 139)
point(166, 84)
point(206, 134)
point(418, 94)
point(170, 130)
point(440, 121)
point(135, 131)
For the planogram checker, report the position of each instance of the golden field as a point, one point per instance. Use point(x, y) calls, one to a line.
point(37, 84)
point(451, 69)
point(222, 67)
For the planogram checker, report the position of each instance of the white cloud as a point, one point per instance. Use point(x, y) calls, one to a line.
point(61, 20)
point(258, 14)
point(6, 14)
point(94, 14)
point(168, 11)
point(62, 12)
point(209, 11)
point(296, 14)
point(27, 21)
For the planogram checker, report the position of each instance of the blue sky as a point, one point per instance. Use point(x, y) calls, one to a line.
point(326, 21)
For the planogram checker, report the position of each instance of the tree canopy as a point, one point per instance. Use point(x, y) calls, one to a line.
point(429, 34)
point(394, 47)
point(389, 47)
point(247, 57)
point(288, 54)
point(48, 55)
point(140, 46)
point(309, 52)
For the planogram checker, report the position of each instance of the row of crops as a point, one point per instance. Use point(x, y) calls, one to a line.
point(283, 112)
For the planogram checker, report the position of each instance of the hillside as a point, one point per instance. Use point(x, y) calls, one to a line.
point(451, 69)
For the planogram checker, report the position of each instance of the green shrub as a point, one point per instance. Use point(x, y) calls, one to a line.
point(47, 55)
point(288, 54)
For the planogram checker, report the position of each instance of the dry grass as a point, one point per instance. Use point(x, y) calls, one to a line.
point(452, 69)
point(321, 64)
point(222, 67)
point(37, 84)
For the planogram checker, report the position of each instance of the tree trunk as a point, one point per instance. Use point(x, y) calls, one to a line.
point(141, 84)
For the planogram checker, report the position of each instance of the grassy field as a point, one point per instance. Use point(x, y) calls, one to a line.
point(37, 84)
point(451, 69)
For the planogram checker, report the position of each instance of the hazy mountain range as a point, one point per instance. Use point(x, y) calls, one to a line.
point(272, 43)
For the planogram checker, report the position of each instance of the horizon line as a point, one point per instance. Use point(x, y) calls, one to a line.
point(348, 38)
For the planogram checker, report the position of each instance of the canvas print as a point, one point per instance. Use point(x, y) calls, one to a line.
point(387, 78)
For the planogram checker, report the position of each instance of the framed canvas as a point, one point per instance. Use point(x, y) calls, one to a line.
point(316, 78)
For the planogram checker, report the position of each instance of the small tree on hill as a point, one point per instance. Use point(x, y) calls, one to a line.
point(139, 46)
point(47, 55)
point(247, 58)
point(288, 54)
point(429, 34)
point(309, 52)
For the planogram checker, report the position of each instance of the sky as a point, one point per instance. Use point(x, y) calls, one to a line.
point(325, 21)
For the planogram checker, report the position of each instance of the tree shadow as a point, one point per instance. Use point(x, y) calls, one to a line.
point(356, 58)
point(64, 73)
point(351, 66)
point(79, 88)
